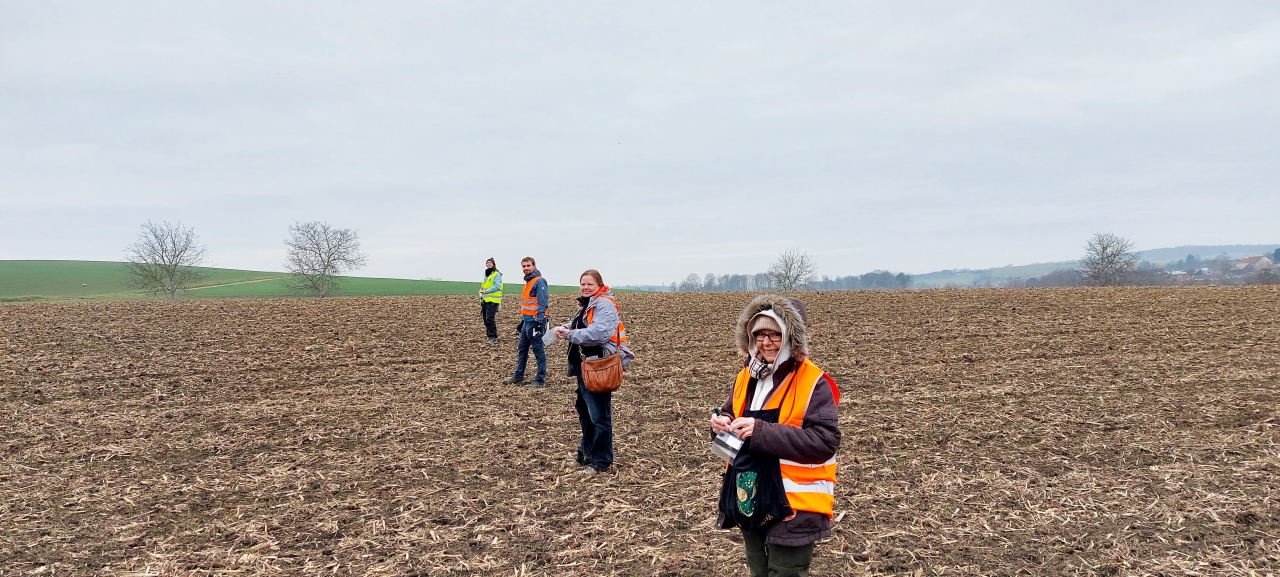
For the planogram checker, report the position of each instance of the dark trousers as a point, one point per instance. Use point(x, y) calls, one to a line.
point(777, 560)
point(595, 414)
point(527, 341)
point(489, 312)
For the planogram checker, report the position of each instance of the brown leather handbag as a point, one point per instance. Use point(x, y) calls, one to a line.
point(603, 375)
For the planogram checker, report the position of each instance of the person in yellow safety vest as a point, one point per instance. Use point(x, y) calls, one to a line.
point(533, 324)
point(491, 299)
point(780, 488)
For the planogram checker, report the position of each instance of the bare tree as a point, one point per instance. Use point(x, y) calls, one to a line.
point(793, 269)
point(734, 282)
point(318, 254)
point(1265, 275)
point(1108, 259)
point(1222, 264)
point(691, 283)
point(164, 259)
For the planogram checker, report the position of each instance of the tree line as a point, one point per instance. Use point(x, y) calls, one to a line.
point(794, 270)
point(1108, 260)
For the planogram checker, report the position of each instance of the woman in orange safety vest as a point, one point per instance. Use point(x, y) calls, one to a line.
point(780, 488)
point(595, 331)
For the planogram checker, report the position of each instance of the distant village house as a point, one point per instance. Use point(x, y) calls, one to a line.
point(1251, 263)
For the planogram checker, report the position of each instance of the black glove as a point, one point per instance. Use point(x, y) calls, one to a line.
point(539, 329)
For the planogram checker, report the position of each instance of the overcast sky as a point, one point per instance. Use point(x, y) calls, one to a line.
point(648, 141)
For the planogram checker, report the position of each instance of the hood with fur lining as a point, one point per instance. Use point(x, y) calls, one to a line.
point(789, 310)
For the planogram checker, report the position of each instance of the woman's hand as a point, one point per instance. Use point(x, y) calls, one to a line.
point(719, 423)
point(743, 427)
point(562, 333)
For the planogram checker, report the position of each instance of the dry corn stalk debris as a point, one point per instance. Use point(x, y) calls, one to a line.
point(1091, 432)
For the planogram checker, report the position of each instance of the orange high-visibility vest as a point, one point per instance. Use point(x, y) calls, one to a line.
point(528, 302)
point(809, 487)
point(619, 335)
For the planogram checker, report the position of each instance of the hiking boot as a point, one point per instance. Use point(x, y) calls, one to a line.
point(537, 384)
point(588, 470)
point(493, 340)
point(512, 381)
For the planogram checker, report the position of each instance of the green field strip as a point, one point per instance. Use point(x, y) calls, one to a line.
point(90, 279)
point(35, 280)
point(363, 286)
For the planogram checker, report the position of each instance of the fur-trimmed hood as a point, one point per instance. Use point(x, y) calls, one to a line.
point(788, 310)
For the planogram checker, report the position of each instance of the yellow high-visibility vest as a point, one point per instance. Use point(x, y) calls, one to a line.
point(495, 296)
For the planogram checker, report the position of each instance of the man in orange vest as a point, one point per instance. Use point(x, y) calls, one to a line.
point(533, 324)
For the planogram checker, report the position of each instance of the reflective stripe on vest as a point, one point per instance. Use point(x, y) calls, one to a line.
point(528, 302)
point(619, 335)
point(495, 296)
point(809, 487)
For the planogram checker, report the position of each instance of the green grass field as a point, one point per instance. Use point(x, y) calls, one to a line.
point(25, 280)
point(354, 286)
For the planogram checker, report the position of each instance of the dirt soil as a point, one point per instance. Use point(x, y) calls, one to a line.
point(986, 432)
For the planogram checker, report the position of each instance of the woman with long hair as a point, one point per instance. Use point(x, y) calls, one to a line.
point(596, 331)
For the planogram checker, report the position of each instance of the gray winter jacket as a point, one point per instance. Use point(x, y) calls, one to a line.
point(605, 319)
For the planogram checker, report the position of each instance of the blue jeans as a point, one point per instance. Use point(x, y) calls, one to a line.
point(522, 351)
point(595, 414)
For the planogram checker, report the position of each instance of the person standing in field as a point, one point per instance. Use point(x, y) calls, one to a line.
point(533, 324)
point(780, 487)
point(595, 331)
point(491, 299)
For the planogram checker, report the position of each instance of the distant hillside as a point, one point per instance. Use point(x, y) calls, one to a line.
point(22, 280)
point(968, 277)
point(1165, 255)
point(1158, 256)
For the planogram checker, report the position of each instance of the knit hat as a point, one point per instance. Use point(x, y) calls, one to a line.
point(765, 322)
point(789, 315)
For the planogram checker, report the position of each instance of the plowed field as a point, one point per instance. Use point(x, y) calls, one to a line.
point(1091, 432)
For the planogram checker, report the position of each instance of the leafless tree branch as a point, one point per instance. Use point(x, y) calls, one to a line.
point(1269, 275)
point(318, 255)
point(793, 269)
point(163, 259)
point(1108, 259)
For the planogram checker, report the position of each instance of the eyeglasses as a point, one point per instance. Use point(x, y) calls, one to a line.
point(775, 337)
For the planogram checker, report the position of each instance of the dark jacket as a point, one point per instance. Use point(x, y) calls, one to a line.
point(596, 339)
